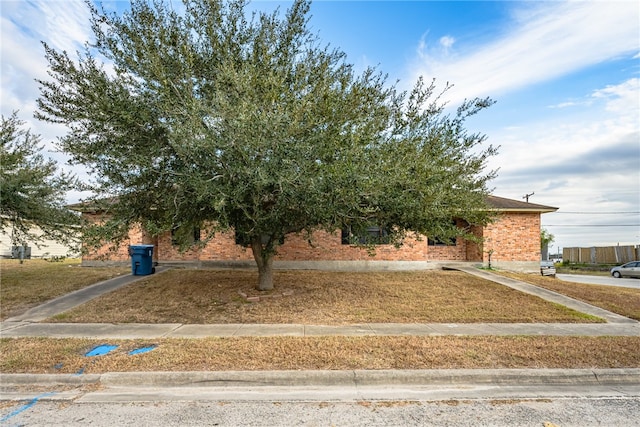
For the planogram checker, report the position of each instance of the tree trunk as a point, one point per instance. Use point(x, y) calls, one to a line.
point(264, 260)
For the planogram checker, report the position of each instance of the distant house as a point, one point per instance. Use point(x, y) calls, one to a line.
point(44, 249)
point(512, 241)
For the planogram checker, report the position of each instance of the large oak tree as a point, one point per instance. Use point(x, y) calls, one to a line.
point(212, 116)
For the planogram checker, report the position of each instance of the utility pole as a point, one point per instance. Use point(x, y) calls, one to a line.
point(526, 196)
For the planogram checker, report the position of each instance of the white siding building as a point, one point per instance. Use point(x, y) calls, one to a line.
point(47, 248)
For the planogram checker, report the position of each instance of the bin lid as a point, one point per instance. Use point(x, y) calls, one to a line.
point(141, 246)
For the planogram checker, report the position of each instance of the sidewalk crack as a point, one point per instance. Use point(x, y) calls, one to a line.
point(166, 334)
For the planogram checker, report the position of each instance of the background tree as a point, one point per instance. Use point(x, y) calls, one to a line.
point(32, 192)
point(546, 239)
point(210, 117)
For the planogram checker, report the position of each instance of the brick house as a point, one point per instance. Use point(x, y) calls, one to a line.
point(512, 240)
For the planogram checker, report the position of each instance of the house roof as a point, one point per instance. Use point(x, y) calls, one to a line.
point(92, 206)
point(509, 205)
point(498, 203)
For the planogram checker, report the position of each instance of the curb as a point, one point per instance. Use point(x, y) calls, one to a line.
point(230, 379)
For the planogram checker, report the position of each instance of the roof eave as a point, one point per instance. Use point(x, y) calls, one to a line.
point(526, 210)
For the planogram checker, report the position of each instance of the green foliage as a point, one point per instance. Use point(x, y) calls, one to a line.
point(211, 118)
point(545, 238)
point(586, 267)
point(31, 189)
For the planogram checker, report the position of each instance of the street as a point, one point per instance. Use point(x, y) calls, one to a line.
point(462, 405)
point(600, 280)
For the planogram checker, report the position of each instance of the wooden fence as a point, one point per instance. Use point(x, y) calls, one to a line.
point(601, 255)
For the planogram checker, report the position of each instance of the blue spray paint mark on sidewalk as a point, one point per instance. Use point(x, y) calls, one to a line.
point(25, 406)
point(101, 350)
point(142, 350)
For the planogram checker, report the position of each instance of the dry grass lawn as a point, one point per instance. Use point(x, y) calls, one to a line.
point(209, 296)
point(623, 301)
point(315, 353)
point(36, 281)
point(317, 297)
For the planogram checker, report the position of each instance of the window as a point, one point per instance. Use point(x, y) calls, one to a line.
point(193, 237)
point(451, 241)
point(374, 235)
point(441, 242)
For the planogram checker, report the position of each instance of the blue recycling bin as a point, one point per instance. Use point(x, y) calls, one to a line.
point(141, 260)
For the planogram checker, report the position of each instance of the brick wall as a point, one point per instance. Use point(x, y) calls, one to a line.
point(110, 252)
point(222, 248)
point(323, 246)
point(514, 236)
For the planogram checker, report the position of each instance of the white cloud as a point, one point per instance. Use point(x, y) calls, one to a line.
point(609, 121)
point(612, 114)
point(545, 40)
point(447, 42)
point(422, 47)
point(568, 104)
point(584, 158)
point(588, 162)
point(64, 25)
point(623, 98)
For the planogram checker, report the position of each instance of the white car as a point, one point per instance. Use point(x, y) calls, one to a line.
point(630, 269)
point(548, 268)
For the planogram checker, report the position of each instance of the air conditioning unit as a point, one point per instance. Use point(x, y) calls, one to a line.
point(21, 252)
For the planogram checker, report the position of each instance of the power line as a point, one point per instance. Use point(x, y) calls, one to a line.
point(597, 213)
point(591, 225)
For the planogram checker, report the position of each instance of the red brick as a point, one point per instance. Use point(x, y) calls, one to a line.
point(513, 236)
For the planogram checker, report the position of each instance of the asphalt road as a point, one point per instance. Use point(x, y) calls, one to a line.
point(600, 280)
point(461, 407)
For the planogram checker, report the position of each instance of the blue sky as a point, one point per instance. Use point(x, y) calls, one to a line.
point(565, 75)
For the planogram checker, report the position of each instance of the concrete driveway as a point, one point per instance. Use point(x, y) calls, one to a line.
point(600, 280)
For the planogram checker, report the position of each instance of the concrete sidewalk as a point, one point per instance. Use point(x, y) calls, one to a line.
point(176, 330)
